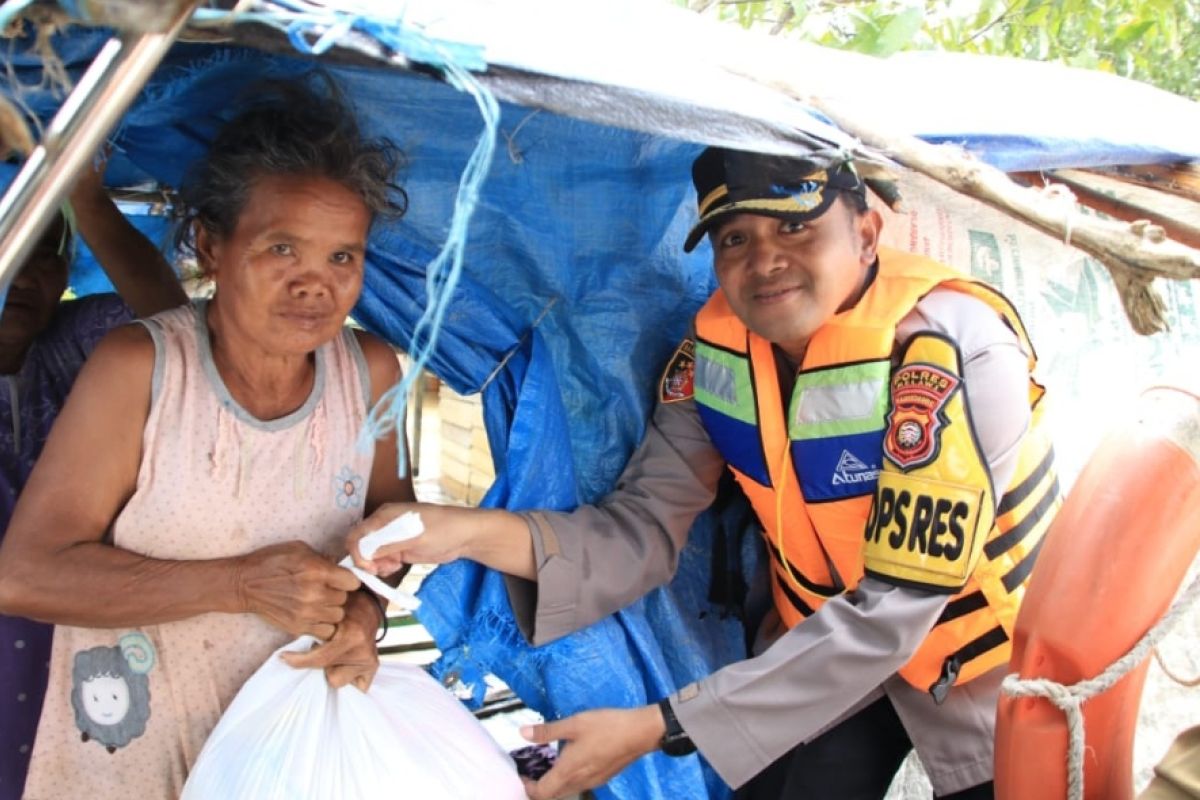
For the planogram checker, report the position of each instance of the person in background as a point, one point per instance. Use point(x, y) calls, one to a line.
point(43, 344)
point(877, 408)
point(183, 521)
point(1177, 775)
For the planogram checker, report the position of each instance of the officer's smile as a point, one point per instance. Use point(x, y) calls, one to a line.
point(775, 295)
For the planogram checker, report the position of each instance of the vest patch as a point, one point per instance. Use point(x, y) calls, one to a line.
point(838, 467)
point(923, 531)
point(914, 423)
point(851, 469)
point(679, 376)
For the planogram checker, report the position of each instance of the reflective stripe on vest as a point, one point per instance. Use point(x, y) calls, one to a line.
point(724, 394)
point(836, 425)
point(811, 472)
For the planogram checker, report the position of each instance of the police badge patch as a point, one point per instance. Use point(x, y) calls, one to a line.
point(678, 377)
point(919, 393)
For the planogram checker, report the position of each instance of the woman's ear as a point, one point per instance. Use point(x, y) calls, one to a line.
point(208, 247)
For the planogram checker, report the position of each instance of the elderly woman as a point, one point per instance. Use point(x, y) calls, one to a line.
point(182, 520)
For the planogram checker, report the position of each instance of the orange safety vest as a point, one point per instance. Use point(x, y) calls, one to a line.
point(811, 475)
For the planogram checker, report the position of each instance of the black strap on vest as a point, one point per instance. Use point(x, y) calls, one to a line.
point(734, 518)
point(953, 665)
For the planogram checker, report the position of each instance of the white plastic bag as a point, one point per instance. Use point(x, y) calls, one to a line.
point(289, 736)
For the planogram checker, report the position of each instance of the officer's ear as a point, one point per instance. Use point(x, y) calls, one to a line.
point(867, 226)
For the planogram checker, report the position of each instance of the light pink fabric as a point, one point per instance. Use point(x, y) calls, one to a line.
point(213, 482)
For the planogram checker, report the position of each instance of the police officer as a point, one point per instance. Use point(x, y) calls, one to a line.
point(877, 408)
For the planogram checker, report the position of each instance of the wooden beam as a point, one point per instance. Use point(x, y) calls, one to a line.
point(1115, 207)
point(1182, 180)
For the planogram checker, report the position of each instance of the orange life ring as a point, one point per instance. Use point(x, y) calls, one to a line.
point(1110, 565)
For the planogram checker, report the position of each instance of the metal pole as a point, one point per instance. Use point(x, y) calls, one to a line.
point(88, 114)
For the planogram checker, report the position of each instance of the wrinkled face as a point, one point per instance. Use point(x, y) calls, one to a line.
point(35, 292)
point(105, 699)
point(292, 269)
point(785, 279)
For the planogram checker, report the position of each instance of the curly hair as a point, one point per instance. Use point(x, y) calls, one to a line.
point(288, 128)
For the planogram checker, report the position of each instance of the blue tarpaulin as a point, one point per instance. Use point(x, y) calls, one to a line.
point(574, 292)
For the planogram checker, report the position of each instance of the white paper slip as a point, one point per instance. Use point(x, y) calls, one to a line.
point(406, 526)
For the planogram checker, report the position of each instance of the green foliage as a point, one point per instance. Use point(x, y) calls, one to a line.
point(1156, 41)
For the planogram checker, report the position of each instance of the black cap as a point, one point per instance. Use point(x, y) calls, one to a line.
point(732, 182)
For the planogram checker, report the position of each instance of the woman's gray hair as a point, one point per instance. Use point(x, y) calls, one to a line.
point(288, 128)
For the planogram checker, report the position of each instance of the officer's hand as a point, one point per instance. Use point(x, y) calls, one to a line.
point(596, 746)
point(447, 534)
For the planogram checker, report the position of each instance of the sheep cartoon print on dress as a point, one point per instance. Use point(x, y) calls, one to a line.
point(111, 693)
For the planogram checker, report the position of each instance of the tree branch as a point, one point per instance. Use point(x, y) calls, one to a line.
point(1117, 207)
point(788, 14)
point(1003, 16)
point(1181, 180)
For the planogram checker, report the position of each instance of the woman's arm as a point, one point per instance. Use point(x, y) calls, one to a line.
point(139, 272)
point(385, 486)
point(57, 563)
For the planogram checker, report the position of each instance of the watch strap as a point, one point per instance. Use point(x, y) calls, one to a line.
point(675, 741)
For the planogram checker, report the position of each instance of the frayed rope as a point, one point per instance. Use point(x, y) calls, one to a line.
point(1070, 699)
point(443, 273)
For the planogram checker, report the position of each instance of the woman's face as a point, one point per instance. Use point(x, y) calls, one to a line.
point(292, 269)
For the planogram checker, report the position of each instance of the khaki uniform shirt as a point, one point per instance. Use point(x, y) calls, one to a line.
point(597, 559)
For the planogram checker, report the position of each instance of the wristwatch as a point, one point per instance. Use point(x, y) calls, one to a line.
point(675, 742)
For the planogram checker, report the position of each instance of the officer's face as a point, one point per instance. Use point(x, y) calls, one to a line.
point(784, 279)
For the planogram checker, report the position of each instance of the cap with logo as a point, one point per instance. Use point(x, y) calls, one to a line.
point(732, 182)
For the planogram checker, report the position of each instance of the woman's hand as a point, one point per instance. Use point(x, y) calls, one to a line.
point(294, 588)
point(351, 656)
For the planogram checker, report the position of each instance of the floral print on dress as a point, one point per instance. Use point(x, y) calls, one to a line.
point(348, 488)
